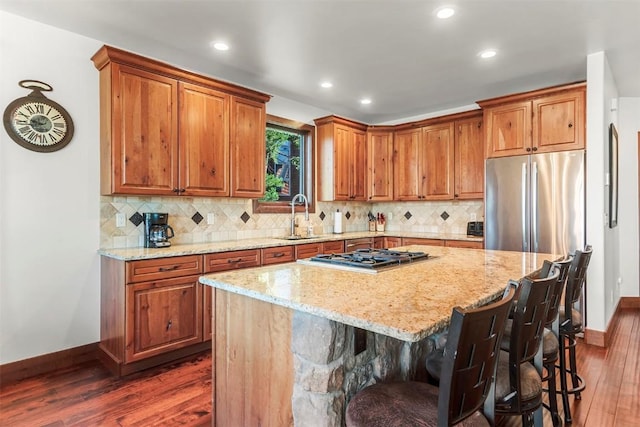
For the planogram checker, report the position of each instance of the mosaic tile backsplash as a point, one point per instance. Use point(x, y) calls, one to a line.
point(201, 220)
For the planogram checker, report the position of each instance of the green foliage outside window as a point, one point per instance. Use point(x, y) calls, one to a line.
point(281, 149)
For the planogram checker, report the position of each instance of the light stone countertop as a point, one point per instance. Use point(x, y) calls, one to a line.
point(137, 253)
point(408, 302)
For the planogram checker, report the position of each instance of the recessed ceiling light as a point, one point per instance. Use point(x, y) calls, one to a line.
point(365, 101)
point(445, 12)
point(220, 46)
point(489, 53)
point(326, 85)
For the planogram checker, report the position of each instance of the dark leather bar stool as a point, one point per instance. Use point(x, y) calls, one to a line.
point(550, 338)
point(519, 370)
point(570, 324)
point(467, 378)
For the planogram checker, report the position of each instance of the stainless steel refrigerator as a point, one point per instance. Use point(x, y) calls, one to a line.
point(536, 203)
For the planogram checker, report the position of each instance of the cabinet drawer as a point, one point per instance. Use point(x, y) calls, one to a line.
point(463, 244)
point(163, 268)
point(355, 244)
point(277, 255)
point(416, 241)
point(334, 247)
point(308, 250)
point(232, 260)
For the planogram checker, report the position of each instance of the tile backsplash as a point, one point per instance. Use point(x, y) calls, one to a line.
point(201, 220)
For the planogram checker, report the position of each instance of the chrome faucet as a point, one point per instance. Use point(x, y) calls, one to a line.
point(293, 211)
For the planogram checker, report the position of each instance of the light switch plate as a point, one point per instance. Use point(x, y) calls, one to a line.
point(121, 220)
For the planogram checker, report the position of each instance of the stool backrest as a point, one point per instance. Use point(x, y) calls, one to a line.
point(558, 288)
point(530, 316)
point(470, 358)
point(575, 279)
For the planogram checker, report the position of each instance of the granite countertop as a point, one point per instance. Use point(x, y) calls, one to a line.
point(409, 302)
point(137, 253)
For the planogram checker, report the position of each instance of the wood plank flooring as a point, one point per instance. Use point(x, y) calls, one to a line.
point(180, 394)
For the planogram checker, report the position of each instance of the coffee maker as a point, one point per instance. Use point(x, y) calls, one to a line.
point(156, 230)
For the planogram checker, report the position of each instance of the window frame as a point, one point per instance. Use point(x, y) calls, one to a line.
point(309, 169)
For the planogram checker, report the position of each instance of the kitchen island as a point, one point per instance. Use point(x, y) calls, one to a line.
point(294, 342)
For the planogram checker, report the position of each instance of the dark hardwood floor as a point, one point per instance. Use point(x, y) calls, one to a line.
point(180, 394)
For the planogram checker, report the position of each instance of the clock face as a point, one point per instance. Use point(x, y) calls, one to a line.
point(39, 124)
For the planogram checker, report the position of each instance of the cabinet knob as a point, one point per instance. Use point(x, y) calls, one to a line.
point(169, 324)
point(528, 148)
point(213, 171)
point(535, 148)
point(570, 125)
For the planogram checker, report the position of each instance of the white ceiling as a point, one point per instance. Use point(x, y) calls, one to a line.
point(396, 51)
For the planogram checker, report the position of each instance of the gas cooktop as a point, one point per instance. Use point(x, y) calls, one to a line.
point(367, 260)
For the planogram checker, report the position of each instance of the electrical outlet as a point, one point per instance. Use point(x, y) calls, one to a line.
point(390, 216)
point(211, 218)
point(473, 217)
point(121, 220)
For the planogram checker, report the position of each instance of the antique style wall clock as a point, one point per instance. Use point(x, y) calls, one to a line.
point(36, 122)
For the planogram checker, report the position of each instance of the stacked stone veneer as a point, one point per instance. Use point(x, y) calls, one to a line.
point(229, 225)
point(328, 374)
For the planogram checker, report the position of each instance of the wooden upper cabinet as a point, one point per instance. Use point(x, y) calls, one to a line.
point(379, 165)
point(204, 141)
point(341, 158)
point(469, 158)
point(248, 148)
point(438, 162)
point(142, 148)
point(407, 173)
point(167, 131)
point(540, 121)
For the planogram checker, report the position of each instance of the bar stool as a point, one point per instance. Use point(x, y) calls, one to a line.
point(550, 338)
point(468, 371)
point(570, 324)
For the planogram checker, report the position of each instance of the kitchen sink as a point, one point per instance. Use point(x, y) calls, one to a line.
point(298, 237)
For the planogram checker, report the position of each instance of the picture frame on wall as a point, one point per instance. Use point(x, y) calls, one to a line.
point(613, 175)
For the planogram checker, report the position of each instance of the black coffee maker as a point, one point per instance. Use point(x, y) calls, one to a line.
point(156, 230)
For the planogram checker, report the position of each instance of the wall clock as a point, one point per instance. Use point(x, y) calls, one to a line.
point(37, 123)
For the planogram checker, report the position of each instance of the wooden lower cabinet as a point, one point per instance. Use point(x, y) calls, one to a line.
point(278, 255)
point(360, 243)
point(464, 244)
point(161, 316)
point(420, 241)
point(151, 312)
point(333, 247)
point(308, 250)
point(392, 242)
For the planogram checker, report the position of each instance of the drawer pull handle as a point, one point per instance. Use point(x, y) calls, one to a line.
point(175, 267)
point(234, 261)
point(278, 254)
point(169, 325)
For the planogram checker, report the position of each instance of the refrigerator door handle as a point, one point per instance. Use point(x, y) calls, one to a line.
point(525, 245)
point(534, 206)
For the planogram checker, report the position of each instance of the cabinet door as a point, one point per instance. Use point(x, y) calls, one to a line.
point(438, 162)
point(161, 316)
point(559, 122)
point(469, 159)
point(358, 161)
point(248, 150)
point(232, 260)
point(204, 141)
point(144, 133)
point(380, 166)
point(406, 171)
point(342, 162)
point(508, 129)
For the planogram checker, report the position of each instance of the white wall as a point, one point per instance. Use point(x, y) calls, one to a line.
point(628, 128)
point(604, 267)
point(49, 202)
